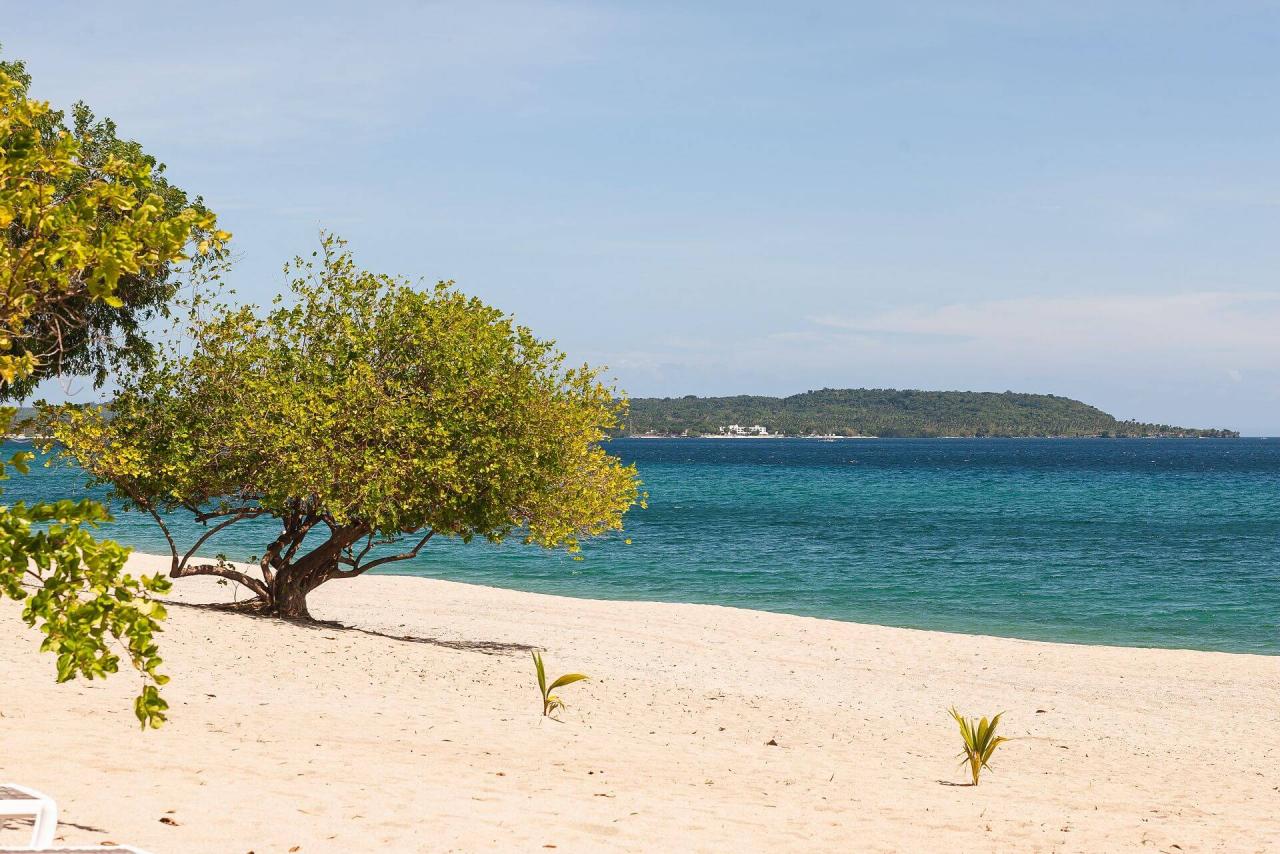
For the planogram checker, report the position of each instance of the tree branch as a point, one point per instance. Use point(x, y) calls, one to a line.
point(354, 560)
point(271, 555)
point(203, 516)
point(173, 548)
point(164, 529)
point(298, 536)
point(226, 572)
point(360, 570)
point(209, 533)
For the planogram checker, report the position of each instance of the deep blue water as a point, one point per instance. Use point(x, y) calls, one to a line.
point(1172, 543)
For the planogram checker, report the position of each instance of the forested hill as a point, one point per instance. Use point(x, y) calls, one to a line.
point(889, 412)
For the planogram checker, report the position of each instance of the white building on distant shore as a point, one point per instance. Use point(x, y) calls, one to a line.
point(739, 430)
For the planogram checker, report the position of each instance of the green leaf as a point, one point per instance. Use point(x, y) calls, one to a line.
point(542, 673)
point(567, 679)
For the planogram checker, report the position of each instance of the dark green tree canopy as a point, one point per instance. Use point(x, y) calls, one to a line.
point(84, 335)
point(364, 410)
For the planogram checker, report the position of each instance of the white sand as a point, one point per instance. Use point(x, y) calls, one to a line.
point(286, 736)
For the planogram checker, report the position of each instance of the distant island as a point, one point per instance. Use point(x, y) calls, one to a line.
point(890, 413)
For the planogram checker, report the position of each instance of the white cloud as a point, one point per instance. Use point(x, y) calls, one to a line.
point(1222, 330)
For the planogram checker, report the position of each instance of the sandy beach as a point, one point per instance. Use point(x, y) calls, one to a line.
point(702, 729)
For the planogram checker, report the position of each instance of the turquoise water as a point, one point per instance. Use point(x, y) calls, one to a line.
point(1172, 543)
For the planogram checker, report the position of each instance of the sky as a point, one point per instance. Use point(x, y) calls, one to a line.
point(727, 198)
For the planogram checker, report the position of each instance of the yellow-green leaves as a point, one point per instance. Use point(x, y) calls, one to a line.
point(83, 600)
point(80, 212)
point(980, 741)
point(86, 224)
point(372, 407)
point(550, 702)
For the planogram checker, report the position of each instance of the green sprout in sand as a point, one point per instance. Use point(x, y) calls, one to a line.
point(980, 741)
point(550, 702)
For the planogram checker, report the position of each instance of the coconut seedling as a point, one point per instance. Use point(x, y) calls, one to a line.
point(980, 741)
point(550, 702)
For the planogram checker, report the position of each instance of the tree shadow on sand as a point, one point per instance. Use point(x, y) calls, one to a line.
point(16, 823)
point(482, 646)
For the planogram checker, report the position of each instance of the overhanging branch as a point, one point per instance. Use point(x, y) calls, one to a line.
point(225, 571)
point(247, 514)
point(164, 529)
point(359, 569)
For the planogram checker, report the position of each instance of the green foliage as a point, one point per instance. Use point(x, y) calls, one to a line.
point(364, 410)
point(83, 600)
point(550, 702)
point(891, 413)
point(980, 741)
point(88, 231)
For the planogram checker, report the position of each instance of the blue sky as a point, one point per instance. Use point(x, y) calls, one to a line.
point(720, 198)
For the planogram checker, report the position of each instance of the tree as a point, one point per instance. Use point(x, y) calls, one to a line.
point(88, 336)
point(88, 234)
point(363, 414)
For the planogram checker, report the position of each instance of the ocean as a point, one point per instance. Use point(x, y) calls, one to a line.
point(1163, 543)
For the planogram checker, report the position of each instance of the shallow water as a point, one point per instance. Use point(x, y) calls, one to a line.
point(1171, 543)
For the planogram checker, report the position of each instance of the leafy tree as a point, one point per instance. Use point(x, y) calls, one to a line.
point(363, 414)
point(88, 335)
point(88, 232)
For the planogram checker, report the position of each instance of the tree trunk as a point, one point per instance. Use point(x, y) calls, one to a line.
point(292, 583)
point(282, 590)
point(289, 595)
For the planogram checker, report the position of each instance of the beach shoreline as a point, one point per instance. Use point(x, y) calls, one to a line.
point(327, 738)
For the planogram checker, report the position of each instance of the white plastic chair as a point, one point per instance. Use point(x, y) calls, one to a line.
point(19, 800)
